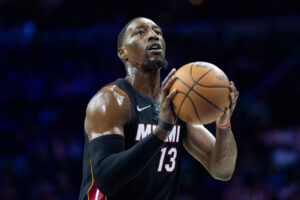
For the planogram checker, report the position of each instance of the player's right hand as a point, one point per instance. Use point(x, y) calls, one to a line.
point(166, 113)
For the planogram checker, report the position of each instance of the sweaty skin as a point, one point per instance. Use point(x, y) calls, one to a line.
point(110, 109)
point(217, 155)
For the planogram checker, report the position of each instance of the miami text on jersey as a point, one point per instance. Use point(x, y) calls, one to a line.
point(145, 129)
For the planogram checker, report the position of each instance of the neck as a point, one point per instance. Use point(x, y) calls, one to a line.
point(146, 82)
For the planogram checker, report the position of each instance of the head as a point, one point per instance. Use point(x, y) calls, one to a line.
point(141, 45)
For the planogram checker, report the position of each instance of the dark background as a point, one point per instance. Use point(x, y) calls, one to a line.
point(55, 54)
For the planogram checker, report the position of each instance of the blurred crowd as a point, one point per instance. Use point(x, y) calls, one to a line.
point(48, 76)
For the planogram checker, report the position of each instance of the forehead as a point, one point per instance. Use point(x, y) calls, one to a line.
point(141, 22)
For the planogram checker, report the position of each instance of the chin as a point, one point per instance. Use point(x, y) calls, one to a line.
point(156, 64)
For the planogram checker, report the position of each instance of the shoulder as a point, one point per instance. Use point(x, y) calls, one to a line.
point(109, 107)
point(109, 96)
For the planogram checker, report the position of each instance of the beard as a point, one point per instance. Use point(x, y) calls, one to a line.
point(156, 65)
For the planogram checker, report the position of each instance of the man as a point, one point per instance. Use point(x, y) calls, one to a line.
point(134, 141)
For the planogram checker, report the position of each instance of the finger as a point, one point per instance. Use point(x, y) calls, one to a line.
point(233, 88)
point(168, 85)
point(232, 107)
point(227, 112)
point(227, 115)
point(168, 77)
point(223, 120)
point(233, 99)
point(232, 83)
point(236, 94)
point(170, 97)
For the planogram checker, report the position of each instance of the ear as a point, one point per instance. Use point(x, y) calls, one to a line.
point(122, 53)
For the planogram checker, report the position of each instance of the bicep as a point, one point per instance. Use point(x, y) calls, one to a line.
point(199, 142)
point(107, 113)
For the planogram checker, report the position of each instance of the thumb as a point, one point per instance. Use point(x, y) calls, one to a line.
point(224, 119)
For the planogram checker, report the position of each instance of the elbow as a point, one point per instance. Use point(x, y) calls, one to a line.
point(222, 177)
point(106, 186)
point(223, 172)
point(103, 181)
point(102, 185)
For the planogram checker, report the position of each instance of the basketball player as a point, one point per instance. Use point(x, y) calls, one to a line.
point(134, 142)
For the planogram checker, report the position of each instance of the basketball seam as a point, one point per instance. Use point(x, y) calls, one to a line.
point(206, 86)
point(191, 89)
point(211, 103)
point(192, 104)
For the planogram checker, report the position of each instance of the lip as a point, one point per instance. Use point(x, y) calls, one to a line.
point(156, 51)
point(153, 45)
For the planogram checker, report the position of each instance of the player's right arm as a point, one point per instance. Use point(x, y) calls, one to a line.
point(106, 115)
point(113, 166)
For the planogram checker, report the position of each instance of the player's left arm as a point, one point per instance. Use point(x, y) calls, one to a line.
point(217, 154)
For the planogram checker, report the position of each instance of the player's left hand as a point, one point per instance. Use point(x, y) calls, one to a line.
point(234, 95)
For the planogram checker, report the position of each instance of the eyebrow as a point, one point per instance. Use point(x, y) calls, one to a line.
point(153, 27)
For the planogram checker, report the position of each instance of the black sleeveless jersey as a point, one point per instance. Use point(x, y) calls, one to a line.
point(160, 179)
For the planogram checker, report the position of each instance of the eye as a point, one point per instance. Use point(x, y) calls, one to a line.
point(140, 32)
point(158, 32)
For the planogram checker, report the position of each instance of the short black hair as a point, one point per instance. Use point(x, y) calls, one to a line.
point(121, 35)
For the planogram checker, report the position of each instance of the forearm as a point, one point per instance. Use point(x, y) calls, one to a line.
point(114, 167)
point(224, 154)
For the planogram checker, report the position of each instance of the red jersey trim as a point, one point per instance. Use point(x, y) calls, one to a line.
point(94, 193)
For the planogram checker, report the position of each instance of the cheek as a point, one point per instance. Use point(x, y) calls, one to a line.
point(130, 41)
point(136, 45)
point(164, 45)
point(136, 49)
point(137, 42)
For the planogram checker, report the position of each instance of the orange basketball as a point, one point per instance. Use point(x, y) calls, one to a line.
point(203, 93)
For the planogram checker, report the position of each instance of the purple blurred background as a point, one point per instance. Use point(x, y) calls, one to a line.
point(55, 54)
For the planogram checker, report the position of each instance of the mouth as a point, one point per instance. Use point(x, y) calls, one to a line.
point(155, 48)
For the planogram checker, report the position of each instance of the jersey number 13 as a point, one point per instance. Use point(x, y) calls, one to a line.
point(171, 164)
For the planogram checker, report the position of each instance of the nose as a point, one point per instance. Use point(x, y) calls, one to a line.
point(152, 36)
